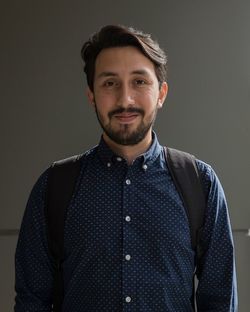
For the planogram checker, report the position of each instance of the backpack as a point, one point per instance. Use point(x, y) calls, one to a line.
point(61, 184)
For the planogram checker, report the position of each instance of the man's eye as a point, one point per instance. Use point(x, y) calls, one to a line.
point(108, 83)
point(140, 82)
point(111, 84)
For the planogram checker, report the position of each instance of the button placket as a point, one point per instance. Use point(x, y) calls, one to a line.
point(127, 244)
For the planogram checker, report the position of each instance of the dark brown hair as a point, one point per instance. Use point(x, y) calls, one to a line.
point(120, 36)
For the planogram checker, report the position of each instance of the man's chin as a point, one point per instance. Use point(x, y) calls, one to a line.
point(127, 139)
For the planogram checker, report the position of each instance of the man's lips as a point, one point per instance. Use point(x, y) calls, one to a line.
point(126, 117)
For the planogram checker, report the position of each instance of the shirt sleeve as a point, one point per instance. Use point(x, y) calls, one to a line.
point(217, 290)
point(33, 265)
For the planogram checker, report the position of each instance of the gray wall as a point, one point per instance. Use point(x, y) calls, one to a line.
point(45, 115)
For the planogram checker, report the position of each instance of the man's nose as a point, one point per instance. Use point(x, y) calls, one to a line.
point(126, 96)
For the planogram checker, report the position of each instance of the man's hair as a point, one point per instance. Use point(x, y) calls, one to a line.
point(121, 36)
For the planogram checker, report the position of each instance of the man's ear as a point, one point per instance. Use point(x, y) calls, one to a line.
point(90, 96)
point(162, 94)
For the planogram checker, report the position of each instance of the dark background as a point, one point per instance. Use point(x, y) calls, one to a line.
point(45, 115)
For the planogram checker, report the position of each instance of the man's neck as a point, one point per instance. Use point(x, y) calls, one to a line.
point(130, 152)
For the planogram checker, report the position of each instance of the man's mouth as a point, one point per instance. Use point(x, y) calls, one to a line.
point(126, 117)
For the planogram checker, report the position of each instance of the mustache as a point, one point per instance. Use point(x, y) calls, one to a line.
point(126, 110)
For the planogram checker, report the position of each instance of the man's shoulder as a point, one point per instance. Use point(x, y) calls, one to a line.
point(203, 167)
point(85, 156)
point(207, 174)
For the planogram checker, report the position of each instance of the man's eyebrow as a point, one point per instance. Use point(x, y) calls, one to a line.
point(107, 74)
point(104, 74)
point(142, 72)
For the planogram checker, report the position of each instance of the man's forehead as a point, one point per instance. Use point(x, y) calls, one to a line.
point(122, 55)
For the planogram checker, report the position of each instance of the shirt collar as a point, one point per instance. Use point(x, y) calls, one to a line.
point(108, 156)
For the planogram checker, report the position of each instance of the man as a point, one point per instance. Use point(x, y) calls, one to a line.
point(127, 239)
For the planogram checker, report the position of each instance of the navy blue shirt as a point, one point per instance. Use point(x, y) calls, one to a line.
point(127, 242)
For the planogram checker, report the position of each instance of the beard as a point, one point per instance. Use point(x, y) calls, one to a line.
point(124, 135)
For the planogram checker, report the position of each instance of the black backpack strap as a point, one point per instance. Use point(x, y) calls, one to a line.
point(61, 184)
point(185, 174)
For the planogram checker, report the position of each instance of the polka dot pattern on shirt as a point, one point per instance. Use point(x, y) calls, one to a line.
point(127, 241)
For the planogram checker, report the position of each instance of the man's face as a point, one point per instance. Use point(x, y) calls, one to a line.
point(126, 94)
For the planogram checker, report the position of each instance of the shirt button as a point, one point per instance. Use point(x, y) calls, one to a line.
point(127, 257)
point(145, 167)
point(128, 182)
point(118, 159)
point(128, 299)
point(108, 164)
point(128, 218)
